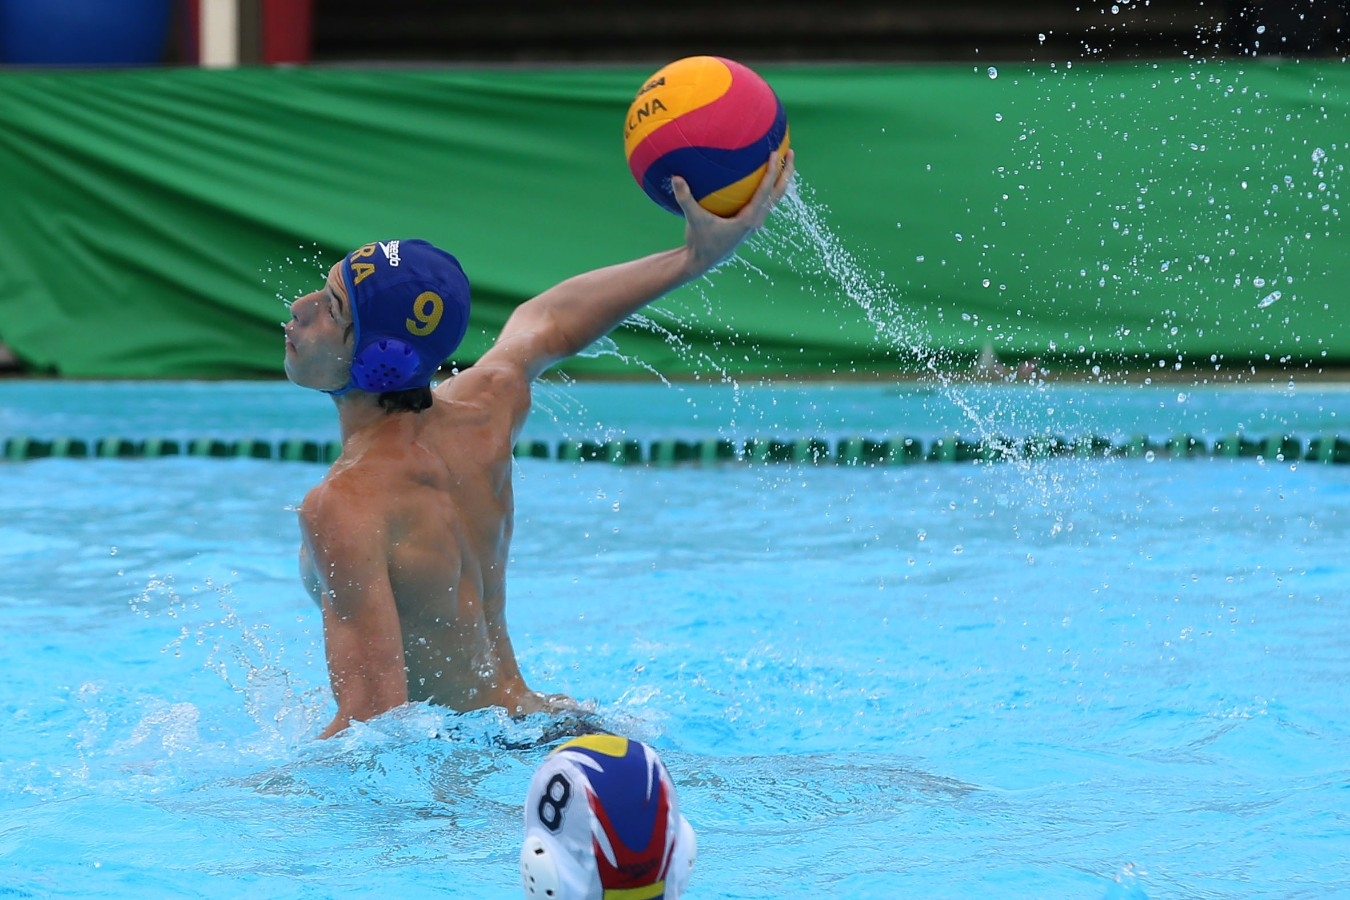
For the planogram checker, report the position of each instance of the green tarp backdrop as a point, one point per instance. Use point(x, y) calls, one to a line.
point(154, 221)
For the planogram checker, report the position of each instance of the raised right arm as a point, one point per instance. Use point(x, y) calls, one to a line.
point(570, 316)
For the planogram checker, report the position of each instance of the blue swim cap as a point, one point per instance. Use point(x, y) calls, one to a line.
point(410, 309)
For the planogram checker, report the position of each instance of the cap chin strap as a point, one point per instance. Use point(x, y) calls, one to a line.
point(342, 390)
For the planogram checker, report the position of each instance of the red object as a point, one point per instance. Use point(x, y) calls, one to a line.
point(287, 31)
point(189, 31)
point(286, 26)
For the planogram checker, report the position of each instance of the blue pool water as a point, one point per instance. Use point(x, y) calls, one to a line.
point(1102, 678)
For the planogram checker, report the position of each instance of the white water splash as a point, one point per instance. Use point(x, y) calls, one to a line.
point(242, 654)
point(817, 253)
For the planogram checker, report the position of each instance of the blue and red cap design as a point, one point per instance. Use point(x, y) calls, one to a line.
point(602, 822)
point(410, 310)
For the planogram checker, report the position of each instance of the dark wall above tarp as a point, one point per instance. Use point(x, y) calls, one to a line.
point(892, 31)
point(155, 221)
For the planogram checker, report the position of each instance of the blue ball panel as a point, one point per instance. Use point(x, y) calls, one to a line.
point(709, 169)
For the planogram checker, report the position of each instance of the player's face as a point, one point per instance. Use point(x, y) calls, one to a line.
point(319, 337)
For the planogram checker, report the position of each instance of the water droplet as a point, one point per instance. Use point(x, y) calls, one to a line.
point(1268, 299)
point(993, 72)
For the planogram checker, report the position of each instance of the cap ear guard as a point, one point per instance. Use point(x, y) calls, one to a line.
point(682, 860)
point(386, 365)
point(538, 871)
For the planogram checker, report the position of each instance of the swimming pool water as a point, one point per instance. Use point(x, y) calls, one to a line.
point(1070, 678)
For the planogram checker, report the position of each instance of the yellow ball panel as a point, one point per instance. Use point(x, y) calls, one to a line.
point(677, 89)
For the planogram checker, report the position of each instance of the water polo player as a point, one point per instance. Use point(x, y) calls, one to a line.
point(405, 540)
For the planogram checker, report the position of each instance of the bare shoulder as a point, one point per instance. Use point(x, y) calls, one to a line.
point(492, 386)
point(339, 504)
point(488, 376)
point(353, 498)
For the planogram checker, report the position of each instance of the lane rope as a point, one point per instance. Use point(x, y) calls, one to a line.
point(849, 451)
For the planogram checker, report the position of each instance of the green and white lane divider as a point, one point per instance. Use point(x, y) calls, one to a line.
point(851, 451)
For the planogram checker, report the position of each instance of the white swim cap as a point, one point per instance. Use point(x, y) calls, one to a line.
point(602, 822)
